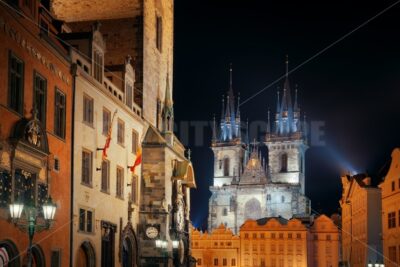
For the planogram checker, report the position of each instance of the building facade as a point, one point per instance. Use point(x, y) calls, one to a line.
point(323, 243)
point(272, 241)
point(36, 118)
point(391, 212)
point(143, 30)
point(244, 185)
point(108, 129)
point(361, 221)
point(218, 248)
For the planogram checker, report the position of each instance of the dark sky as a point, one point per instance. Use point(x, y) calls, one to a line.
point(354, 87)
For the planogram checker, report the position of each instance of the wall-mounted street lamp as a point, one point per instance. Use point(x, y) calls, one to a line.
point(29, 222)
point(375, 264)
point(175, 244)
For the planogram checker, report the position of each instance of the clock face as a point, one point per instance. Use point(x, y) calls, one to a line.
point(151, 232)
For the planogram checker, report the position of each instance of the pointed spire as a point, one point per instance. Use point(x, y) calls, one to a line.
point(295, 107)
point(168, 98)
point(238, 110)
point(214, 130)
point(228, 111)
point(223, 109)
point(305, 132)
point(268, 123)
point(278, 105)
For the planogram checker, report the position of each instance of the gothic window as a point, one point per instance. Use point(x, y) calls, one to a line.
point(268, 197)
point(15, 83)
point(39, 97)
point(282, 199)
point(284, 161)
point(226, 166)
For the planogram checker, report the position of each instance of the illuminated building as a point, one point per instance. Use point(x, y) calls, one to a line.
point(273, 241)
point(244, 185)
point(391, 212)
point(361, 221)
point(218, 248)
point(35, 136)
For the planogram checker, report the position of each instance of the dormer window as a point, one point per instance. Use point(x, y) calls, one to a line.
point(98, 65)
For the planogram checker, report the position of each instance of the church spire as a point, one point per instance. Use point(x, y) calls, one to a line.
point(238, 110)
point(278, 103)
point(268, 123)
point(214, 131)
point(223, 109)
point(168, 110)
point(295, 106)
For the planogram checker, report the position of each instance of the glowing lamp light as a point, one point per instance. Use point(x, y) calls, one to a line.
point(165, 244)
point(370, 264)
point(158, 243)
point(175, 244)
point(16, 210)
point(49, 209)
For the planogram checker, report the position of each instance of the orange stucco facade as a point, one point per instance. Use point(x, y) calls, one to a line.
point(47, 159)
point(274, 242)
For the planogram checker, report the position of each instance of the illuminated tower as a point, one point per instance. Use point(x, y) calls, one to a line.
point(287, 141)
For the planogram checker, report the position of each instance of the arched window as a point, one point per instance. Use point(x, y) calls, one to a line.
point(301, 163)
point(226, 166)
point(284, 160)
point(282, 199)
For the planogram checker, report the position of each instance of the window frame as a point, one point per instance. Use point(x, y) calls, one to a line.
point(119, 134)
point(43, 111)
point(62, 111)
point(90, 167)
point(90, 112)
point(106, 126)
point(119, 192)
point(159, 33)
point(19, 108)
point(135, 142)
point(107, 188)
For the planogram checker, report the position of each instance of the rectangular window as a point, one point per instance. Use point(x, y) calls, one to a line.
point(393, 186)
point(59, 114)
point(328, 237)
point(121, 132)
point(280, 235)
point(289, 236)
point(39, 97)
point(134, 189)
point(55, 258)
point(88, 109)
point(15, 83)
point(129, 95)
point(120, 182)
point(262, 235)
point(105, 176)
point(273, 236)
point(106, 121)
point(98, 66)
point(392, 220)
point(85, 220)
point(298, 236)
point(246, 236)
point(233, 262)
point(224, 262)
point(87, 167)
point(254, 236)
point(392, 254)
point(159, 33)
point(134, 141)
point(215, 262)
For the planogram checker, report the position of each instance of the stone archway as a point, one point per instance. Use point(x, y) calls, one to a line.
point(9, 254)
point(129, 247)
point(38, 258)
point(252, 209)
point(86, 255)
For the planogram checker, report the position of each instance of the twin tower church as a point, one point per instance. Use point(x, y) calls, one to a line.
point(245, 185)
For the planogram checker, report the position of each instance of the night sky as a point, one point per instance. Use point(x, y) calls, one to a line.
point(353, 87)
